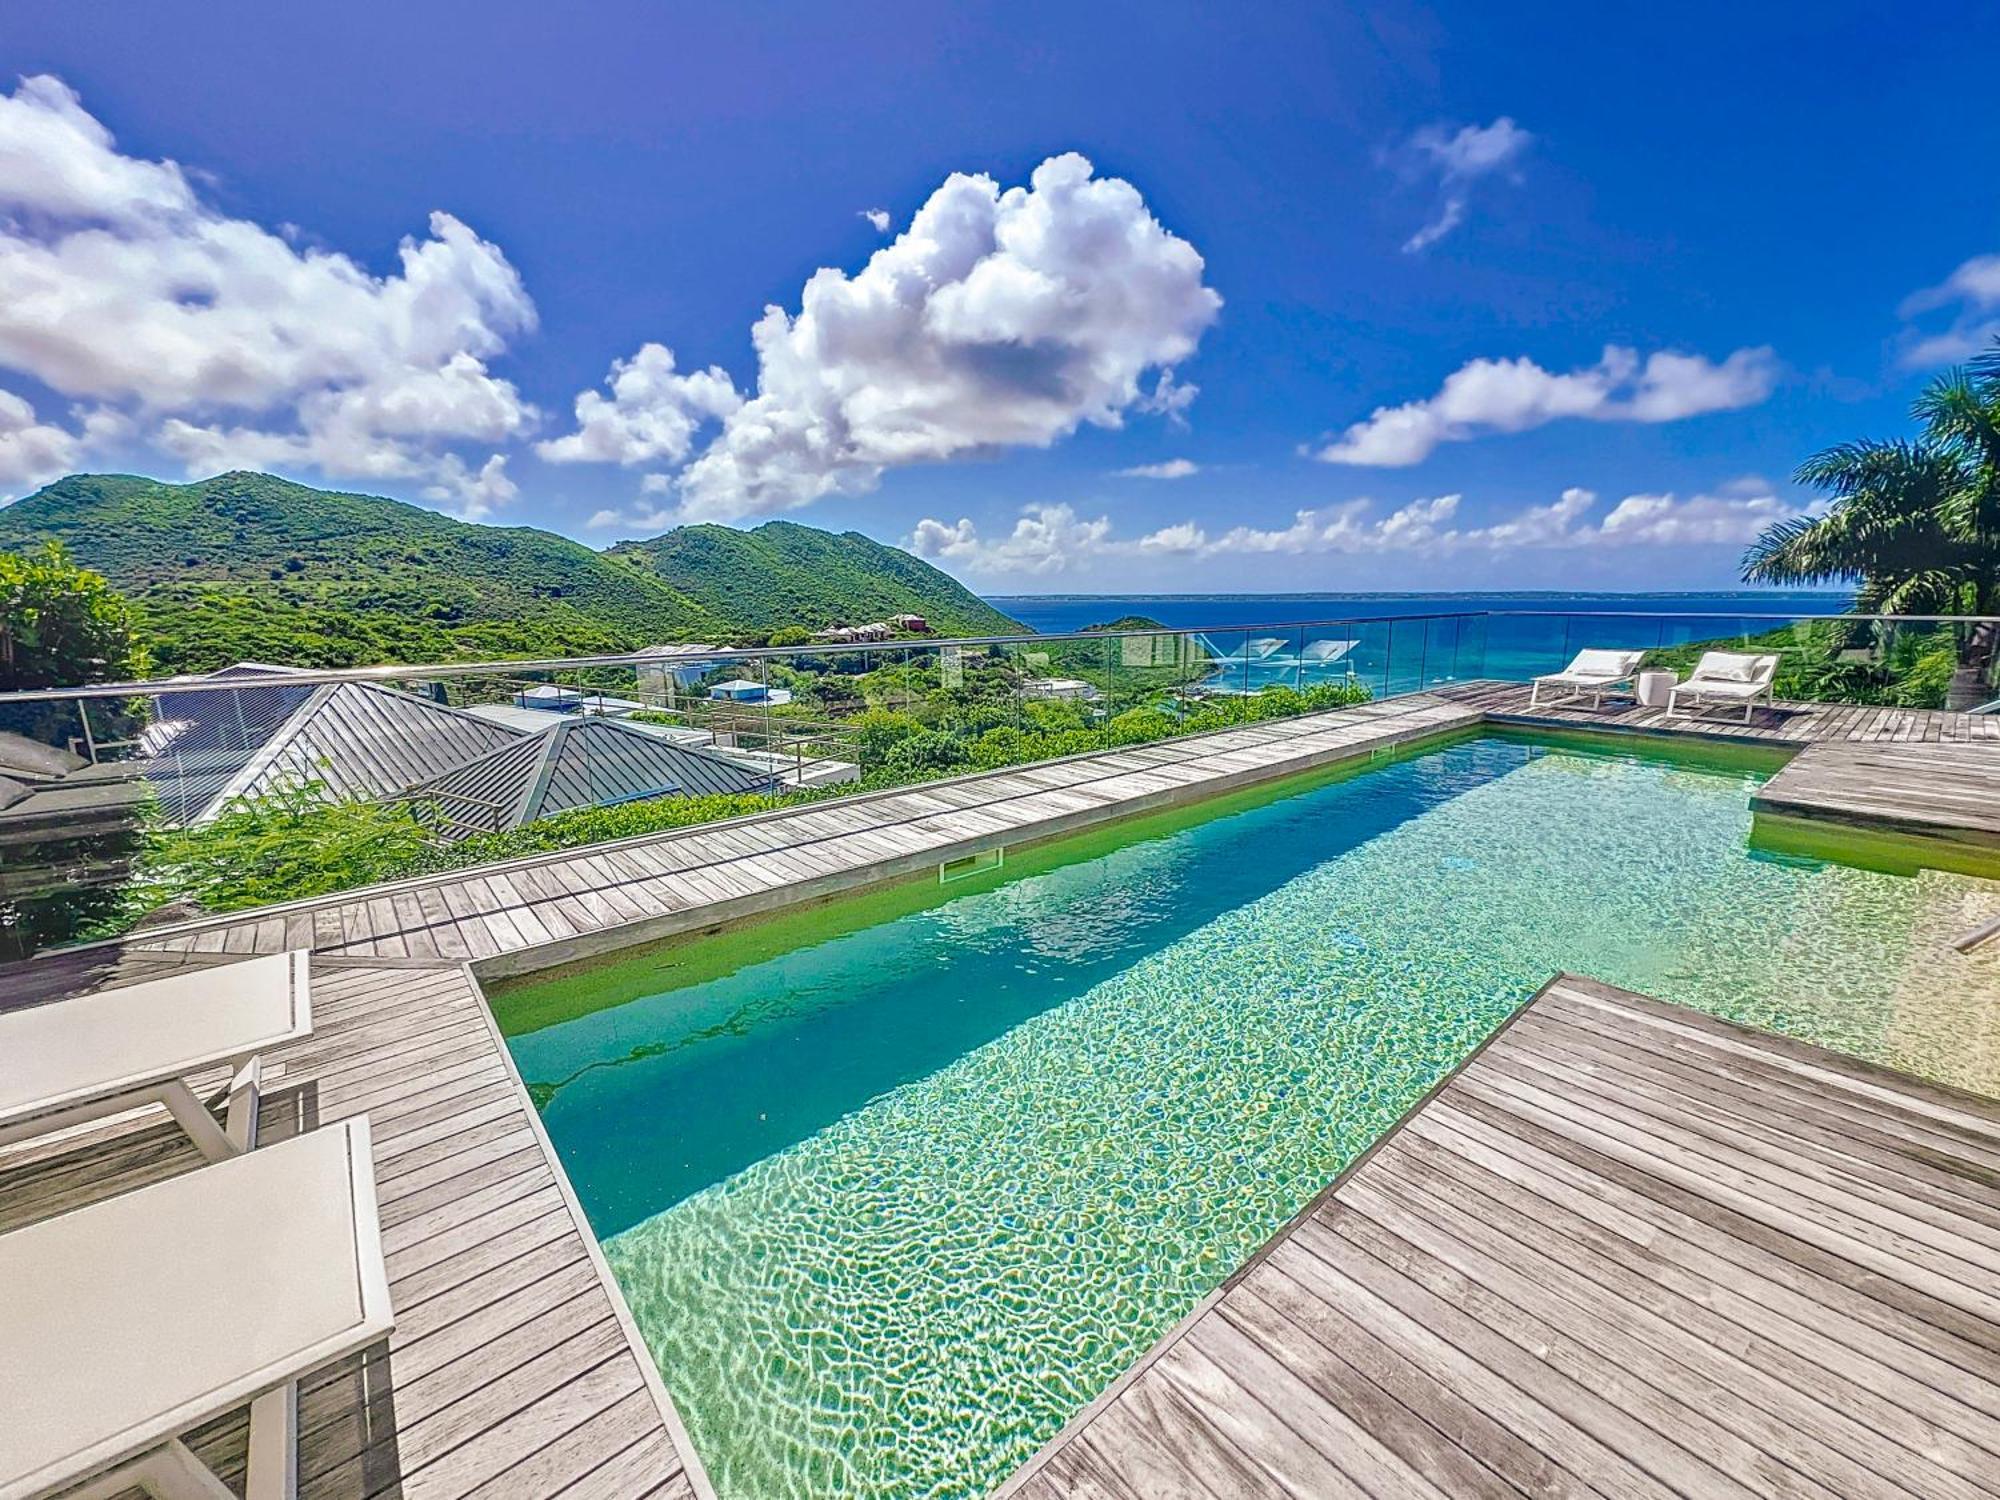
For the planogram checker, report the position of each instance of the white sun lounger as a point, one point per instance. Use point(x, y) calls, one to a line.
point(1593, 672)
point(1325, 653)
point(69, 1062)
point(1725, 679)
point(132, 1321)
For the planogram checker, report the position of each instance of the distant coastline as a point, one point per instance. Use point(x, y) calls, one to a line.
point(1841, 596)
point(1060, 612)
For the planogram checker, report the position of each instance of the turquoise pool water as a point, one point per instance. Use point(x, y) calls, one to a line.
point(891, 1201)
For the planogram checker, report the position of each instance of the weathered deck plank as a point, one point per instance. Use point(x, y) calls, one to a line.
point(1948, 788)
point(1626, 1249)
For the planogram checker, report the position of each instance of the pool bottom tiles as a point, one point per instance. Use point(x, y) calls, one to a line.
point(894, 1188)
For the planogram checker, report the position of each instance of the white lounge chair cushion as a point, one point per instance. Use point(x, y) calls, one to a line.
point(71, 1050)
point(1606, 664)
point(156, 1310)
point(1729, 666)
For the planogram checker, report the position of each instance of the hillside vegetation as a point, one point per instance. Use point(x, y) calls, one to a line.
point(250, 566)
point(783, 574)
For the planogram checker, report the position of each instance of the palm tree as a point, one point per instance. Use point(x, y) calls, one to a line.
point(1914, 523)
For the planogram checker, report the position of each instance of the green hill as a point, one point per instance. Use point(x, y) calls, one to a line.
point(783, 573)
point(250, 566)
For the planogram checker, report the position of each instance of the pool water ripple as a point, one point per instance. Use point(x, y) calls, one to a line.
point(1199, 1031)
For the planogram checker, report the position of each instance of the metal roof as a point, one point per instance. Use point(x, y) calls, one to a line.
point(359, 741)
point(590, 762)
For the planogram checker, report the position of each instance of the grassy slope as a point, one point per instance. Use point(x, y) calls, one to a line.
point(786, 574)
point(252, 566)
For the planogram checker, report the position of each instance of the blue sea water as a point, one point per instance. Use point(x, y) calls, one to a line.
point(1059, 612)
point(1399, 643)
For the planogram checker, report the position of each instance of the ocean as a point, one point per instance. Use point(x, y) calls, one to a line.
point(1060, 612)
point(1332, 636)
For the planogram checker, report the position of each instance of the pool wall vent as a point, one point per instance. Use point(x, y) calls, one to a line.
point(971, 864)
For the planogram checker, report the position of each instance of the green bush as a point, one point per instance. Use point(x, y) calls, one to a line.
point(1005, 746)
point(284, 846)
point(1137, 725)
point(1922, 675)
point(879, 730)
point(925, 752)
point(1053, 715)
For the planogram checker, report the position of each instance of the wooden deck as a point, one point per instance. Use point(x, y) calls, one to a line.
point(1902, 770)
point(1949, 789)
point(1626, 1250)
point(532, 913)
point(514, 1369)
point(1779, 724)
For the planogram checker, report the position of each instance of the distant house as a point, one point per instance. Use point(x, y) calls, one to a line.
point(743, 690)
point(1065, 689)
point(551, 697)
point(877, 630)
point(665, 671)
point(583, 762)
point(915, 624)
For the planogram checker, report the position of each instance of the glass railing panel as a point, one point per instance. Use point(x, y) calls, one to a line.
point(1329, 654)
point(141, 764)
point(1368, 658)
point(1520, 646)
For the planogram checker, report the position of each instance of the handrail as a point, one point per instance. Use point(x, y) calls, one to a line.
point(1977, 936)
point(403, 672)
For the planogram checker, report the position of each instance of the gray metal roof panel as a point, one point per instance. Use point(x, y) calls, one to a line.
point(588, 762)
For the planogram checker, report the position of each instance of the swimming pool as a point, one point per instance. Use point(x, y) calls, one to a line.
point(895, 1186)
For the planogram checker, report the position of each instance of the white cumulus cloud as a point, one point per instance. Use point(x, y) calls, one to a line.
point(122, 285)
point(998, 318)
point(31, 452)
point(651, 415)
point(1045, 539)
point(1736, 516)
point(476, 493)
point(1053, 538)
point(878, 217)
point(1513, 395)
point(1173, 468)
point(1456, 160)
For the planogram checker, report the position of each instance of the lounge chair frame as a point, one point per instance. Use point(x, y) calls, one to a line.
point(1715, 692)
point(1596, 684)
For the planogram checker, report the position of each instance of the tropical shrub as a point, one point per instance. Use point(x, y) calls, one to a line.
point(62, 626)
point(878, 730)
point(925, 752)
point(288, 844)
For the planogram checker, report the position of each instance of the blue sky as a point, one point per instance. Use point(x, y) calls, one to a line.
point(1607, 274)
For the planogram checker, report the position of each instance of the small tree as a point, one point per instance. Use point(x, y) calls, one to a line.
point(62, 625)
